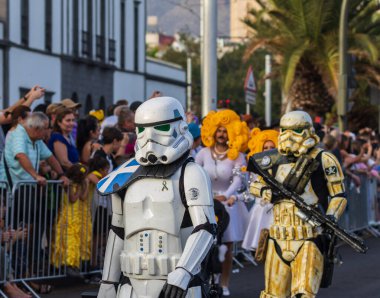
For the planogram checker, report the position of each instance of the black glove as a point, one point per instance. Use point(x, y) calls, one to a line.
point(171, 291)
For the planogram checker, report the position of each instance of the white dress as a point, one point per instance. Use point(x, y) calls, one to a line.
point(260, 217)
point(224, 183)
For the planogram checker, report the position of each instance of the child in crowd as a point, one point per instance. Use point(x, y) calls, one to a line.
point(73, 231)
point(99, 168)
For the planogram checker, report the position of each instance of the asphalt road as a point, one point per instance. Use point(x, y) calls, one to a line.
point(357, 277)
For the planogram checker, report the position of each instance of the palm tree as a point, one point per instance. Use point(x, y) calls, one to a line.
point(302, 36)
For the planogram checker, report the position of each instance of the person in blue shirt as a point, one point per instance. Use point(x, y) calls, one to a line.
point(61, 142)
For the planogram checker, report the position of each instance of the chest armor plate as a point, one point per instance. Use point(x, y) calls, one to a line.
point(153, 204)
point(309, 195)
point(153, 213)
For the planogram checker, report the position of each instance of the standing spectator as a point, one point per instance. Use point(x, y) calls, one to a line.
point(196, 133)
point(88, 134)
point(72, 243)
point(225, 136)
point(35, 93)
point(61, 142)
point(134, 106)
point(99, 168)
point(24, 150)
point(112, 138)
point(74, 107)
point(261, 215)
point(126, 123)
point(52, 110)
point(19, 115)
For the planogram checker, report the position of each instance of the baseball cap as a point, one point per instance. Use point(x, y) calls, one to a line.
point(70, 104)
point(53, 107)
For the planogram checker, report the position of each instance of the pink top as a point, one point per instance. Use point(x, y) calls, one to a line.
point(220, 172)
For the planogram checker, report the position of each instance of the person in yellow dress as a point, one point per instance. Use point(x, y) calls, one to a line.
point(73, 229)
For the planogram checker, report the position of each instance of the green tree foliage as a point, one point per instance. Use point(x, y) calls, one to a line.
point(191, 49)
point(302, 36)
point(232, 70)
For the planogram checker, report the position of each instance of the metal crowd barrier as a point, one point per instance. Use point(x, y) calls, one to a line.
point(53, 237)
point(45, 217)
point(362, 209)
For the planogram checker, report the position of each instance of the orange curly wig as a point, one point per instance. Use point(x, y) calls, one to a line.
point(237, 131)
point(259, 137)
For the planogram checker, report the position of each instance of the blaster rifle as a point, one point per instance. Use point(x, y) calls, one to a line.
point(309, 213)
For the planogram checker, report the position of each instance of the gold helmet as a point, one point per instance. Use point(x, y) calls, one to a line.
point(297, 134)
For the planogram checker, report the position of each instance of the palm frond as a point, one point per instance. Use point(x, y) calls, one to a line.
point(291, 61)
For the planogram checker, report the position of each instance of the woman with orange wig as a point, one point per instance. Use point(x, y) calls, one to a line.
point(261, 215)
point(225, 137)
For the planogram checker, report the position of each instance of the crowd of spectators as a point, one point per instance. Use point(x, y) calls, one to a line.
point(53, 142)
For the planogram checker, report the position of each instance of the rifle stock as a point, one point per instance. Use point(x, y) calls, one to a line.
point(312, 214)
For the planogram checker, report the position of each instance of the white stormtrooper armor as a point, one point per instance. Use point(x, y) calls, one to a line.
point(150, 241)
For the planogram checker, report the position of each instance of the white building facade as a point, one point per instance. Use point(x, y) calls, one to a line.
point(92, 51)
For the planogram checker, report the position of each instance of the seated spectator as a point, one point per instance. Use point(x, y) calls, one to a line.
point(61, 142)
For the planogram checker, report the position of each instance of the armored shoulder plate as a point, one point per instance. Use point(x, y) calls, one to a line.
point(131, 171)
point(267, 159)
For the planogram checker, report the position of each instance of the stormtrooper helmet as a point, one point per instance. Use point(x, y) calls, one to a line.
point(297, 134)
point(162, 132)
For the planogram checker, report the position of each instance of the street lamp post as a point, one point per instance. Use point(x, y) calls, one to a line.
point(209, 59)
point(342, 91)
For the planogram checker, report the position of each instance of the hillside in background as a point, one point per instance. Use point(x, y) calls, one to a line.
point(183, 16)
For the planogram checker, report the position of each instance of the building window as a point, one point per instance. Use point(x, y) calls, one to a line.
point(25, 22)
point(88, 105)
point(48, 97)
point(122, 34)
point(76, 28)
point(100, 39)
point(48, 25)
point(136, 4)
point(89, 29)
point(100, 47)
point(86, 43)
point(111, 50)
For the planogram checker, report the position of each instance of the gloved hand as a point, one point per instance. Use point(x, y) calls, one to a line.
point(176, 285)
point(266, 196)
point(107, 291)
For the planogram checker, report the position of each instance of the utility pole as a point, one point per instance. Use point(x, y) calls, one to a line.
point(189, 82)
point(342, 91)
point(268, 91)
point(209, 58)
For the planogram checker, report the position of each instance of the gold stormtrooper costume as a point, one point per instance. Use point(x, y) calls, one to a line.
point(294, 261)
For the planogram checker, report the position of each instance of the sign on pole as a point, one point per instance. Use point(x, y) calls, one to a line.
point(250, 87)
